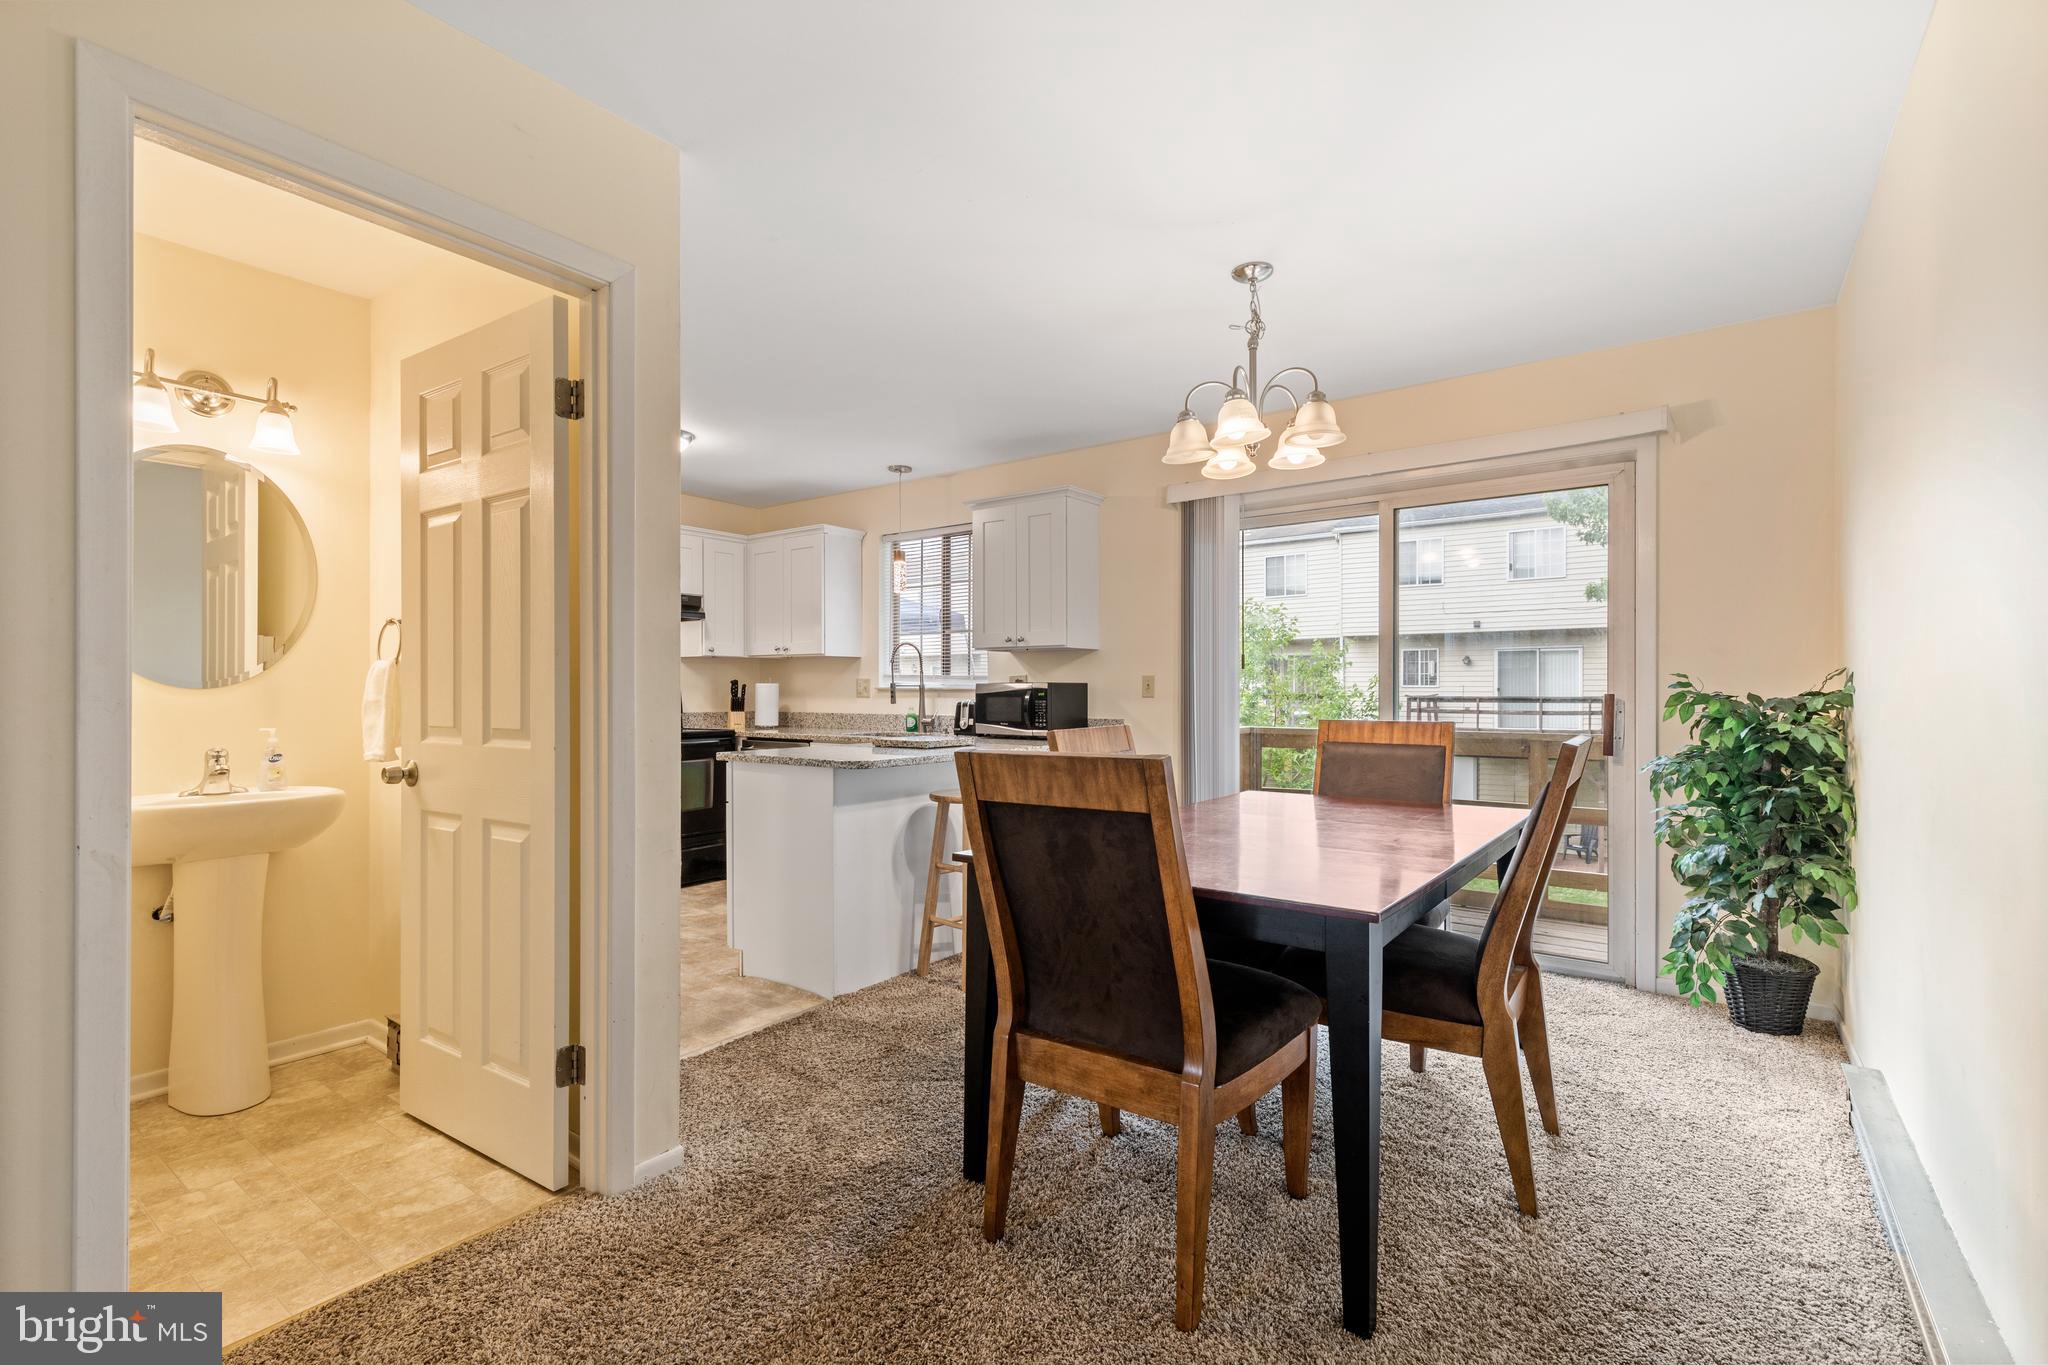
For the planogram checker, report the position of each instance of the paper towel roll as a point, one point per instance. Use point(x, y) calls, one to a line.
point(767, 705)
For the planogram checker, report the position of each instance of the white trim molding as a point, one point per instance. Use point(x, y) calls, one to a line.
point(145, 1085)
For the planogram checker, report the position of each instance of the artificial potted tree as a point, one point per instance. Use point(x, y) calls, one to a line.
point(1760, 841)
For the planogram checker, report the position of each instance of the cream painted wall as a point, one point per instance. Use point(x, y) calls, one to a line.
point(203, 312)
point(453, 296)
point(1748, 588)
point(1943, 394)
point(442, 107)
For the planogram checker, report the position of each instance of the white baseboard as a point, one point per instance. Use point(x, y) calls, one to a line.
point(660, 1164)
point(1954, 1319)
point(147, 1085)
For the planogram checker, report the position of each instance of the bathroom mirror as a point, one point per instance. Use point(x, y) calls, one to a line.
point(224, 572)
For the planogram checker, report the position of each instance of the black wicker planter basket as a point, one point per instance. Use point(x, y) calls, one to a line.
point(1769, 994)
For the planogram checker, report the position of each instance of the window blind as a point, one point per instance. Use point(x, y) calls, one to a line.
point(933, 610)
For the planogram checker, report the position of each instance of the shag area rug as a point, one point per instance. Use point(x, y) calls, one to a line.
point(1704, 1203)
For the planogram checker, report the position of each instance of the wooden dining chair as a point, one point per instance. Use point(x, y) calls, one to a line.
point(1102, 989)
point(1092, 739)
point(1385, 760)
point(1482, 996)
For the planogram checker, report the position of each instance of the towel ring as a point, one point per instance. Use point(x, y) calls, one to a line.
point(389, 622)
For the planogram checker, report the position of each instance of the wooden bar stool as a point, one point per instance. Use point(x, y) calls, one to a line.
point(942, 824)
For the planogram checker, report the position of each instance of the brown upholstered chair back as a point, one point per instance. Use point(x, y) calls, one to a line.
point(1084, 887)
point(1385, 760)
point(1512, 920)
point(1092, 739)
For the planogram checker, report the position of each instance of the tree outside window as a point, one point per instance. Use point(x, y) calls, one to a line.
point(1284, 681)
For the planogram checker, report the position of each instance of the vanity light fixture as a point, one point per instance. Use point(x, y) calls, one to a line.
point(152, 399)
point(1231, 452)
point(206, 394)
point(899, 570)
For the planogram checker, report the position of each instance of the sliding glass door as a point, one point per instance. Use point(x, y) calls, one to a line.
point(1503, 607)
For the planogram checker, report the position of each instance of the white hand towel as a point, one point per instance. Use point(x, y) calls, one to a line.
point(380, 712)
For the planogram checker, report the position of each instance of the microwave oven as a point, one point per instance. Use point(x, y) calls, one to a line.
point(1029, 709)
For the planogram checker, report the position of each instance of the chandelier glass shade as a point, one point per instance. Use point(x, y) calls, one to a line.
point(1232, 450)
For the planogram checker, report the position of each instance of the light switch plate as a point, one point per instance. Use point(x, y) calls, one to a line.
point(1147, 687)
point(860, 687)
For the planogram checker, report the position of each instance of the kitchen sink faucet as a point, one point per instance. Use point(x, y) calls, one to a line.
point(925, 723)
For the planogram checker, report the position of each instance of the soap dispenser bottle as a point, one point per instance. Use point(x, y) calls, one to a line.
point(273, 760)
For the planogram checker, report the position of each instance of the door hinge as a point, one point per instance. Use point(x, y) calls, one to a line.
point(569, 1065)
point(569, 398)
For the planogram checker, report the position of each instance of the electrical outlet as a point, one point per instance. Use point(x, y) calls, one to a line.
point(860, 687)
point(1148, 686)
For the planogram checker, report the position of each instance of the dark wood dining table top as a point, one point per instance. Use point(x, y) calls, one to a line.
point(1331, 855)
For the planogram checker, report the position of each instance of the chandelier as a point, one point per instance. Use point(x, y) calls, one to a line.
point(1232, 452)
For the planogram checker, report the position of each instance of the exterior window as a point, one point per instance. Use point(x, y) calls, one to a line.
point(1287, 575)
point(1418, 668)
point(1525, 678)
point(1419, 563)
point(932, 610)
point(1536, 553)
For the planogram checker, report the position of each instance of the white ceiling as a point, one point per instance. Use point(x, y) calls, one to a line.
point(197, 204)
point(950, 234)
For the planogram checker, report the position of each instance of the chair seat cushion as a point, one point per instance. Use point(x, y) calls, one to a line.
point(1256, 1014)
point(1431, 973)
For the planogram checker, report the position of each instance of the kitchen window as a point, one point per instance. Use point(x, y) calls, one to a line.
point(1418, 668)
point(1287, 575)
point(1536, 553)
point(932, 610)
point(1419, 563)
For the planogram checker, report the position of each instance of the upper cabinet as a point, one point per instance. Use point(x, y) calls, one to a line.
point(803, 590)
point(1037, 570)
point(714, 567)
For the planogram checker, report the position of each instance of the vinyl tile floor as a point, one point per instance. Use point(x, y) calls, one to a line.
point(720, 1003)
point(320, 1188)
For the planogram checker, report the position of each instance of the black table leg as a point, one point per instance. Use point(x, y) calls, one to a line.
point(981, 1030)
point(1353, 962)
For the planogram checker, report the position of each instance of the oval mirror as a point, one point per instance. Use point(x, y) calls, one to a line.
point(224, 572)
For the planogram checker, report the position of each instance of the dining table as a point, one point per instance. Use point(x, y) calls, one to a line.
point(1340, 876)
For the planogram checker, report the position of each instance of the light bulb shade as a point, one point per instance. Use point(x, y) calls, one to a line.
point(1238, 424)
point(1229, 463)
point(273, 434)
point(1315, 423)
point(153, 405)
point(899, 568)
point(1187, 443)
point(1294, 453)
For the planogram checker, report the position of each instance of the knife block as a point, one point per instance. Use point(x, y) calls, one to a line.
point(736, 720)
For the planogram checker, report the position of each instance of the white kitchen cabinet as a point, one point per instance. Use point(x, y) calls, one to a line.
point(1037, 570)
point(714, 567)
point(804, 593)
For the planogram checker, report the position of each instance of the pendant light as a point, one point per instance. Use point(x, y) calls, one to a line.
point(1240, 425)
point(152, 399)
point(899, 570)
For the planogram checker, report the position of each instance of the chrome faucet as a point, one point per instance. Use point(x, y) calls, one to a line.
point(213, 777)
point(925, 723)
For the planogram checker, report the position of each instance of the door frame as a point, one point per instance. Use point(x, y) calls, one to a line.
point(115, 100)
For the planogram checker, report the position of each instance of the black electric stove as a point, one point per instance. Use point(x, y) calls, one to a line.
point(704, 804)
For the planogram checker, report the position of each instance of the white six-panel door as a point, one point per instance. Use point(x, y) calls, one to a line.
point(484, 882)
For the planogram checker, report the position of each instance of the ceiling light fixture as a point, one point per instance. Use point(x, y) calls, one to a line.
point(899, 571)
point(1231, 453)
point(206, 394)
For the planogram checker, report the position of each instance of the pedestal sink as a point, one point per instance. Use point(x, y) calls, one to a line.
point(219, 850)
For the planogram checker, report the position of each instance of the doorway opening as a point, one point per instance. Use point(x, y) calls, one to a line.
point(351, 986)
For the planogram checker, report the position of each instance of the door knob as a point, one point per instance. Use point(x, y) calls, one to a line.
point(395, 773)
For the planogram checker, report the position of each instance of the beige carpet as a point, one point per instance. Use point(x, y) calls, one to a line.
point(1705, 1203)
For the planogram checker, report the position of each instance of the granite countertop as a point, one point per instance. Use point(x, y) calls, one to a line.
point(854, 751)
